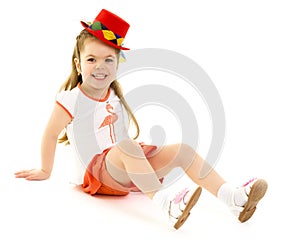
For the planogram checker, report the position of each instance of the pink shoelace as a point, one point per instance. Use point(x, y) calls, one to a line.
point(250, 181)
point(179, 196)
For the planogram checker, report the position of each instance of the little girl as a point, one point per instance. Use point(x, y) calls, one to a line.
point(91, 108)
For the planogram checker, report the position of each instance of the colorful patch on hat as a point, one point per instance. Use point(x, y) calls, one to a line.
point(107, 34)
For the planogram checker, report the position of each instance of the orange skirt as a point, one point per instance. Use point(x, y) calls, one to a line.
point(97, 179)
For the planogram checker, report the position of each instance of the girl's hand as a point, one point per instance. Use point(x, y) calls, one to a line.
point(33, 174)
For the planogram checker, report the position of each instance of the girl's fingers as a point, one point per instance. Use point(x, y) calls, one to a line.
point(23, 173)
point(33, 174)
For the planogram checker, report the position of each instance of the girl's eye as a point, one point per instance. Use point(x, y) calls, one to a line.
point(109, 60)
point(91, 60)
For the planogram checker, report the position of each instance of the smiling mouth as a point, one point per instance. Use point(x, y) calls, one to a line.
point(99, 76)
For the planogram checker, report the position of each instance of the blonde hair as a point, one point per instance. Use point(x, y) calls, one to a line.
point(75, 78)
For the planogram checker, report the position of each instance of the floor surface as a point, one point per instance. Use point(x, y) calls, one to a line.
point(55, 209)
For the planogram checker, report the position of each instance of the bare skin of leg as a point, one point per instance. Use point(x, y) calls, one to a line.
point(132, 160)
point(182, 155)
point(128, 156)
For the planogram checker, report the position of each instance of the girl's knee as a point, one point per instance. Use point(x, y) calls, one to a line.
point(185, 155)
point(130, 148)
point(184, 150)
point(113, 157)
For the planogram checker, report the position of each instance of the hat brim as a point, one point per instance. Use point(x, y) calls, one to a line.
point(100, 37)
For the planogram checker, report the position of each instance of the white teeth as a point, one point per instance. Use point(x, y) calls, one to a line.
point(100, 75)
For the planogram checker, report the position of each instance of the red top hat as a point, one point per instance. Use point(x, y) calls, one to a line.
point(109, 28)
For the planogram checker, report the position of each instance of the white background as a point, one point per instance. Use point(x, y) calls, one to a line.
point(250, 50)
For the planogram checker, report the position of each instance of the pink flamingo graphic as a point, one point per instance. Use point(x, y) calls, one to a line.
point(109, 121)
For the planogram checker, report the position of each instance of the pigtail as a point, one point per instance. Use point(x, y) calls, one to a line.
point(116, 86)
point(75, 77)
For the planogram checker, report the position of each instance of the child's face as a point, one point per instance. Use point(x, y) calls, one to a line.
point(98, 67)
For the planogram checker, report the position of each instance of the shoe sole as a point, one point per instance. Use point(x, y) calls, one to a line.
point(257, 192)
point(186, 212)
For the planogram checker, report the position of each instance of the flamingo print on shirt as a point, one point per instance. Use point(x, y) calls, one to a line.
point(109, 121)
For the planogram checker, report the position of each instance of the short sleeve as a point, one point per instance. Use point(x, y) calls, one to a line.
point(66, 100)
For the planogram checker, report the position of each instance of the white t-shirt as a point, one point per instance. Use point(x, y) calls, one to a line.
point(96, 125)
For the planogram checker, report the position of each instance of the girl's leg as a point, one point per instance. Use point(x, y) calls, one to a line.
point(145, 173)
point(242, 200)
point(127, 163)
point(129, 158)
point(182, 155)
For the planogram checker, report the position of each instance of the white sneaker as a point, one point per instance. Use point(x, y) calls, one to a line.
point(255, 190)
point(180, 206)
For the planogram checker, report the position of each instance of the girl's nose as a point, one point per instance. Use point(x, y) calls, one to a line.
point(100, 65)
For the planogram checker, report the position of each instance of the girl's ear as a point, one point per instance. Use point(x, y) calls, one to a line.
point(77, 64)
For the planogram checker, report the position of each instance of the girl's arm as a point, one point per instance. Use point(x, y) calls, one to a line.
point(57, 122)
